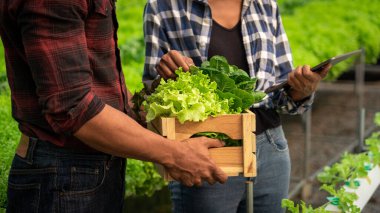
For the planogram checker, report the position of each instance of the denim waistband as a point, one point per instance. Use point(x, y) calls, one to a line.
point(49, 149)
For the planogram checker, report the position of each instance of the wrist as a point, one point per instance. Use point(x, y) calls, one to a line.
point(298, 96)
point(169, 153)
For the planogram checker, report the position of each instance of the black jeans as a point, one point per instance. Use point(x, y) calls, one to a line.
point(53, 179)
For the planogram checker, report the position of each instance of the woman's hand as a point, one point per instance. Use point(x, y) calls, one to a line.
point(304, 82)
point(171, 61)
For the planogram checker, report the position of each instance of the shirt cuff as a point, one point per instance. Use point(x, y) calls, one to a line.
point(298, 107)
point(77, 116)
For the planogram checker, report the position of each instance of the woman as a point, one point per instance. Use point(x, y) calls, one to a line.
point(249, 33)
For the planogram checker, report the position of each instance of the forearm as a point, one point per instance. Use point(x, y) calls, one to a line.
point(113, 132)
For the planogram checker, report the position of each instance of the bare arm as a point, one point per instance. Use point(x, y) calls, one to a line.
point(111, 131)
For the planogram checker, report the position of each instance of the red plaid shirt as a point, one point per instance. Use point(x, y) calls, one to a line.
point(63, 64)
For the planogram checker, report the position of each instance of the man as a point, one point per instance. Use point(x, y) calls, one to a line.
point(249, 33)
point(70, 100)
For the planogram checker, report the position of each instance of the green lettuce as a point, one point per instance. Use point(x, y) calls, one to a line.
point(190, 97)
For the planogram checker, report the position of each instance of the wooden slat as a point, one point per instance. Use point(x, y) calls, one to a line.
point(247, 146)
point(171, 128)
point(229, 159)
point(253, 117)
point(254, 165)
point(227, 156)
point(227, 124)
point(160, 125)
point(233, 171)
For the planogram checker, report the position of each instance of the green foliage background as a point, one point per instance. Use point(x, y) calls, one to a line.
point(320, 29)
point(317, 30)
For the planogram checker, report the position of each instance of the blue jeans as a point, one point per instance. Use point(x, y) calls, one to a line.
point(270, 186)
point(53, 179)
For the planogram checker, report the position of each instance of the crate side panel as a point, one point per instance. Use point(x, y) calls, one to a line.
point(227, 156)
point(227, 124)
point(247, 146)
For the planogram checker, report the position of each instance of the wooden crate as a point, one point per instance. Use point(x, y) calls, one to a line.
point(232, 160)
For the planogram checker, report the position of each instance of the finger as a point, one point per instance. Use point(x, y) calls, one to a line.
point(210, 180)
point(309, 75)
point(161, 72)
point(325, 70)
point(298, 75)
point(189, 61)
point(219, 175)
point(169, 61)
point(212, 143)
point(186, 180)
point(198, 182)
point(188, 184)
point(179, 60)
point(293, 81)
point(165, 71)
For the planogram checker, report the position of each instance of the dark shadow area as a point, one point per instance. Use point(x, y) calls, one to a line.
point(372, 73)
point(159, 202)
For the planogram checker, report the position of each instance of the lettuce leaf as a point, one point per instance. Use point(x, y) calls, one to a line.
point(191, 97)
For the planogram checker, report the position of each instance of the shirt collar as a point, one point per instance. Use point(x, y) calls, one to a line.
point(202, 1)
point(246, 4)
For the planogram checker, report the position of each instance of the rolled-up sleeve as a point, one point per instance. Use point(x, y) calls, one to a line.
point(54, 40)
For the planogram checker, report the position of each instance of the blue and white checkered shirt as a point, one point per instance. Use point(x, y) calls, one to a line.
point(185, 26)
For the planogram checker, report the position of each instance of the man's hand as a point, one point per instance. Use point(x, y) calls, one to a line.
point(193, 164)
point(304, 82)
point(171, 61)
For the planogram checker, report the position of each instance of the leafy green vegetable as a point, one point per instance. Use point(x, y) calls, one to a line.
point(291, 207)
point(142, 178)
point(377, 119)
point(233, 83)
point(351, 167)
point(346, 199)
point(373, 143)
point(346, 172)
point(191, 97)
point(221, 136)
point(215, 88)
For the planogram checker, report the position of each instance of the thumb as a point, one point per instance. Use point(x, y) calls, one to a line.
point(325, 70)
point(213, 143)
